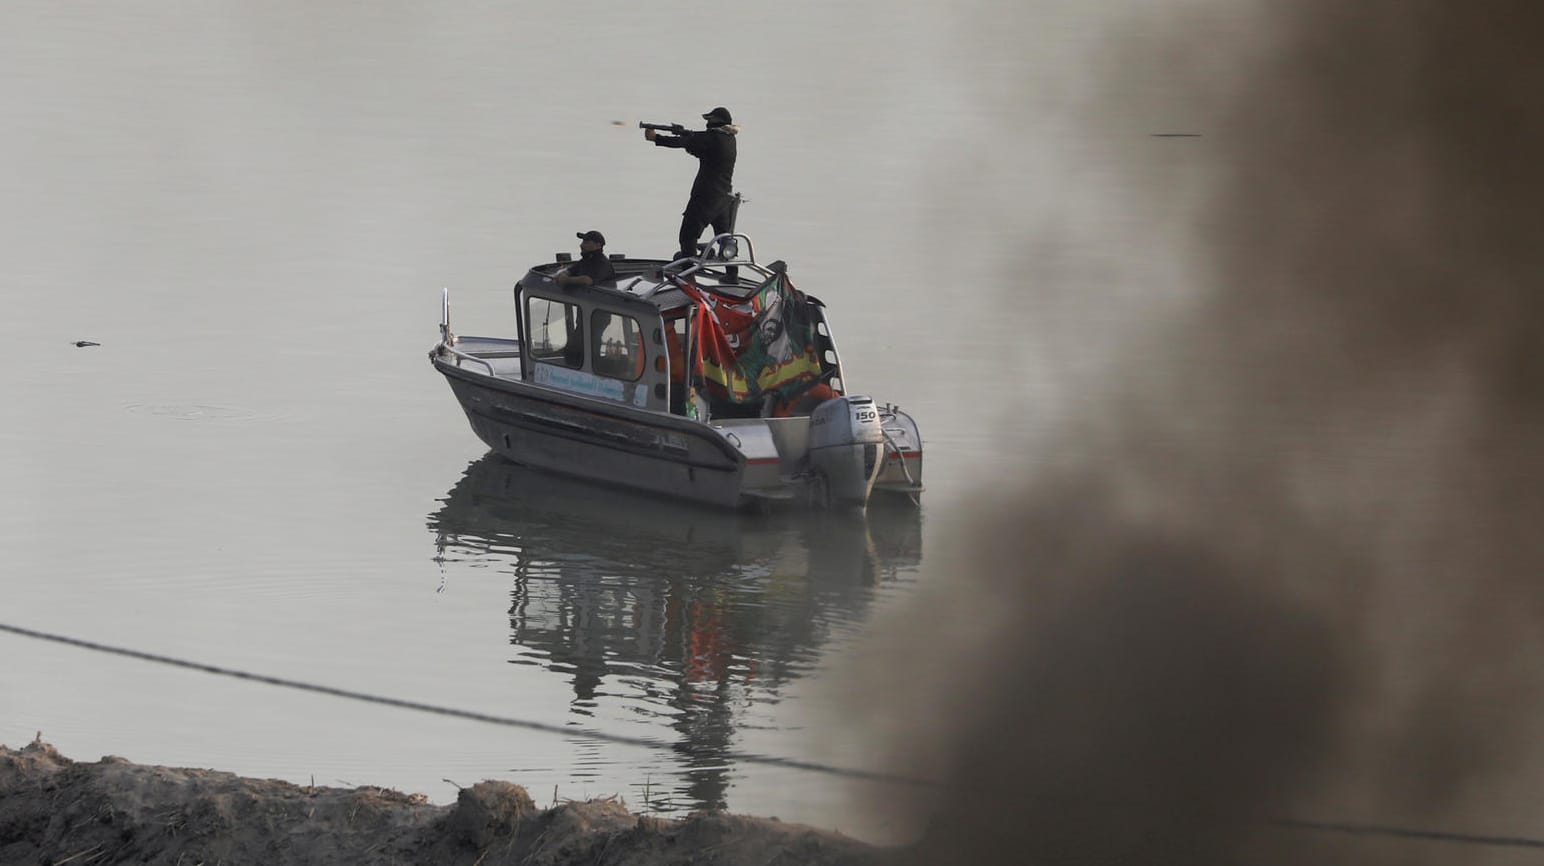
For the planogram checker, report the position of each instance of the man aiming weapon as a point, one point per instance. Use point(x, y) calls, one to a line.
point(711, 202)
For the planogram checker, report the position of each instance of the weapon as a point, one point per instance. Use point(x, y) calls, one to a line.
point(672, 128)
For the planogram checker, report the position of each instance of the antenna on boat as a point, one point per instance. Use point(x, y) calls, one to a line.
point(446, 336)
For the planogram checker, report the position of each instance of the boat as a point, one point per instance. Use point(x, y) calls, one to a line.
point(708, 378)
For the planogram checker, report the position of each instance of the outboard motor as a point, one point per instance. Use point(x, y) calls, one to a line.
point(846, 444)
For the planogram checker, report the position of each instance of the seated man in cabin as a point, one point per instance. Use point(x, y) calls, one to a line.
point(593, 267)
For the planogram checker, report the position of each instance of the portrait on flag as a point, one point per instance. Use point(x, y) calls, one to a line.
point(762, 345)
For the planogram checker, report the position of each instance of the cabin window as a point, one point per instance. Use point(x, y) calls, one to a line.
point(617, 345)
point(557, 332)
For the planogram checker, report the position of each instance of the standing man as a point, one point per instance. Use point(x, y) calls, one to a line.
point(593, 266)
point(710, 202)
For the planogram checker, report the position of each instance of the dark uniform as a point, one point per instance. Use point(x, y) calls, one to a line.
point(594, 265)
point(711, 202)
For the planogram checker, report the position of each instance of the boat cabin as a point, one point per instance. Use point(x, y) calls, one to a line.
point(630, 340)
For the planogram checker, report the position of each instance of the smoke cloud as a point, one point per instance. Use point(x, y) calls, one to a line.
point(1287, 566)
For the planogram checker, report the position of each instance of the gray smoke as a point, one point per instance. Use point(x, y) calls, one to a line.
point(1288, 565)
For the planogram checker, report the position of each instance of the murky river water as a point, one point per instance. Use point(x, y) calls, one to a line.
point(252, 208)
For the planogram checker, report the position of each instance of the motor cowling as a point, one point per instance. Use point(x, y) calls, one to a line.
point(846, 443)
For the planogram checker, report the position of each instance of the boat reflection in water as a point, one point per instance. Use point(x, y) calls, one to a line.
point(671, 621)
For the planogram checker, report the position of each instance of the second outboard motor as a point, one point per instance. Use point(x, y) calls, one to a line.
point(846, 444)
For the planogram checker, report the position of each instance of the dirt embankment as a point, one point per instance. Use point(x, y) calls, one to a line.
point(55, 811)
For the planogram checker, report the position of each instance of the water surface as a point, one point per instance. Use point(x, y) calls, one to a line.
point(253, 210)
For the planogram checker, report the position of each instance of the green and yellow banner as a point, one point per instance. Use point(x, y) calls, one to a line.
point(762, 345)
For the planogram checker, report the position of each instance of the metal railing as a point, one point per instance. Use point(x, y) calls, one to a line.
point(687, 265)
point(463, 356)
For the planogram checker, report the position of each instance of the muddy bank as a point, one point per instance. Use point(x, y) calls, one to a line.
point(55, 810)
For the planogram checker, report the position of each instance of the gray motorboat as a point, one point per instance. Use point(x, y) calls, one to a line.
point(709, 378)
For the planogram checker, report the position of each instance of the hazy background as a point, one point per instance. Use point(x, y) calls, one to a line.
point(1230, 438)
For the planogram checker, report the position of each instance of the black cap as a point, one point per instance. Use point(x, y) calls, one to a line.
point(592, 235)
point(718, 115)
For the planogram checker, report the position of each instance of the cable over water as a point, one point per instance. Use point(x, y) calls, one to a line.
point(749, 758)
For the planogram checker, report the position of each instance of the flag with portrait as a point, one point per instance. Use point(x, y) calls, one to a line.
point(762, 345)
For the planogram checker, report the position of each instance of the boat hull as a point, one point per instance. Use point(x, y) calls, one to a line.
point(613, 444)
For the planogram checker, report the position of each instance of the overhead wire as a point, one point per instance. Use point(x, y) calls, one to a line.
point(745, 757)
point(473, 715)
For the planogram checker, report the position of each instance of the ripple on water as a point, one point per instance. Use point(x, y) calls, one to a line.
point(196, 412)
